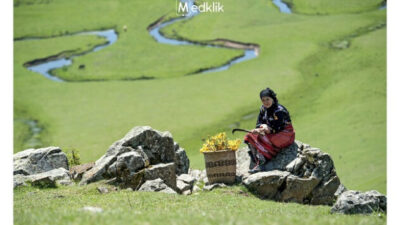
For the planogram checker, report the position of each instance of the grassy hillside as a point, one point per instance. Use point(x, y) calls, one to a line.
point(89, 116)
point(318, 7)
point(336, 97)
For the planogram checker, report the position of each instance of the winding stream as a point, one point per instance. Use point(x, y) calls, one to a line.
point(283, 7)
point(250, 51)
point(45, 68)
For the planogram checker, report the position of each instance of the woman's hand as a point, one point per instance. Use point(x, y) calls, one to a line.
point(264, 129)
point(256, 131)
point(261, 131)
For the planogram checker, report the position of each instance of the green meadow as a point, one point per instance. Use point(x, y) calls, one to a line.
point(336, 97)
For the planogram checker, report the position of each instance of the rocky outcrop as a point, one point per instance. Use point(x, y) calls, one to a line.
point(43, 167)
point(33, 161)
point(299, 173)
point(139, 148)
point(356, 202)
point(144, 154)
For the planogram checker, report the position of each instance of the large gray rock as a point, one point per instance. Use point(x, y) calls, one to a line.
point(299, 173)
point(356, 202)
point(143, 154)
point(156, 185)
point(33, 161)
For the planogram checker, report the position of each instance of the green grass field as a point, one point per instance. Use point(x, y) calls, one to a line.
point(232, 205)
point(336, 97)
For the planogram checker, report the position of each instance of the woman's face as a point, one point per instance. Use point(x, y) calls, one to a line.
point(267, 101)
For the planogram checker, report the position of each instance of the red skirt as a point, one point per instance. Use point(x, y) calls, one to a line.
point(271, 144)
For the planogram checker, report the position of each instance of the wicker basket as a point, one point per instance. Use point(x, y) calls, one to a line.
point(220, 166)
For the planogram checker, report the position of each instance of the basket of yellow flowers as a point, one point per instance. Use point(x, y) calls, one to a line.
point(220, 158)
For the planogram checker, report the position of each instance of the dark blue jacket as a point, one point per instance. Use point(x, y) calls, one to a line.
point(276, 117)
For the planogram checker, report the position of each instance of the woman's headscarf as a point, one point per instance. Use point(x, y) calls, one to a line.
point(269, 93)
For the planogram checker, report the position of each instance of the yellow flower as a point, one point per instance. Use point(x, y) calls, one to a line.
point(220, 142)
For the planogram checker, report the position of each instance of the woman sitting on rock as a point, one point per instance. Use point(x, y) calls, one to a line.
point(273, 131)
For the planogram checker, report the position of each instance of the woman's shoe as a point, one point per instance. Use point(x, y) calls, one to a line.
point(256, 169)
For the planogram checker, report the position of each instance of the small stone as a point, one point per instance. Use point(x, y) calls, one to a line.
point(44, 182)
point(186, 178)
point(340, 44)
point(213, 186)
point(92, 209)
point(196, 188)
point(187, 192)
point(65, 182)
point(182, 186)
point(102, 190)
point(156, 185)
